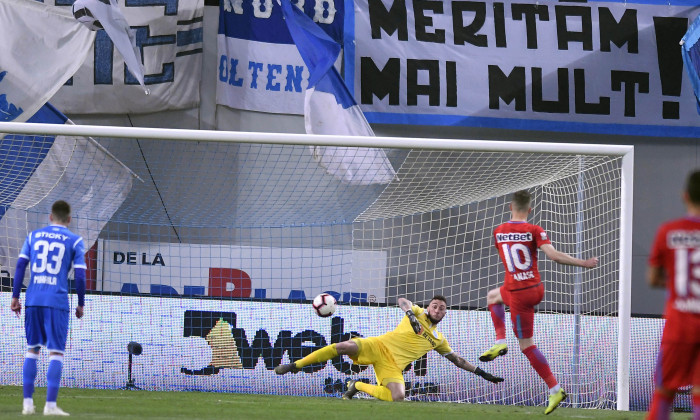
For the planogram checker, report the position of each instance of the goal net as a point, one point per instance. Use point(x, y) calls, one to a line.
point(207, 248)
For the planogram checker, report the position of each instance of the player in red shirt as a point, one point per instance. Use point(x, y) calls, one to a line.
point(674, 263)
point(517, 242)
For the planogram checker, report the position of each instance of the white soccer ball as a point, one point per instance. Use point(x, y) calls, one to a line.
point(83, 15)
point(324, 305)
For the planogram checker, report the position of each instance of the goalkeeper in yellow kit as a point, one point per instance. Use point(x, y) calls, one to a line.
point(390, 353)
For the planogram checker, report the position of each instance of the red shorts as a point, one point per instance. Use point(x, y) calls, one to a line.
point(678, 363)
point(522, 304)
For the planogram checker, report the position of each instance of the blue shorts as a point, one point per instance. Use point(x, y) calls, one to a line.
point(46, 327)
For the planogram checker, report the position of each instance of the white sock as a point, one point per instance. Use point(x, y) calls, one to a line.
point(553, 390)
point(28, 402)
point(501, 341)
point(51, 404)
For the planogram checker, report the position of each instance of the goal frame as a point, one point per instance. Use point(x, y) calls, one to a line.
point(626, 152)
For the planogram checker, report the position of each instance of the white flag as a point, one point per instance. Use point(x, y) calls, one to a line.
point(329, 107)
point(111, 18)
point(41, 47)
point(38, 170)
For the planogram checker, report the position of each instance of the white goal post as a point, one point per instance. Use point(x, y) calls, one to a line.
point(225, 196)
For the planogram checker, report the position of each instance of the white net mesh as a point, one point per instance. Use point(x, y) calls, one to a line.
point(243, 236)
point(450, 251)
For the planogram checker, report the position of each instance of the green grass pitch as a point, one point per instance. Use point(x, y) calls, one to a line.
point(115, 404)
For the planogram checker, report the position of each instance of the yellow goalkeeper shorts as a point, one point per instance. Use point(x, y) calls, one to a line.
point(371, 351)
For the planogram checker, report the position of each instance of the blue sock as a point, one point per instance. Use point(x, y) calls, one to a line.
point(29, 374)
point(53, 377)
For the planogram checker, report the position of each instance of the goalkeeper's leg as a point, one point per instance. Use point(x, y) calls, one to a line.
point(391, 387)
point(319, 356)
point(390, 382)
point(380, 392)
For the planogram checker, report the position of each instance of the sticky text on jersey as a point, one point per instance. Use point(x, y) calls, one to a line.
point(51, 235)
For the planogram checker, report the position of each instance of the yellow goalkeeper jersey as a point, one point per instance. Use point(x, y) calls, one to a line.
point(406, 346)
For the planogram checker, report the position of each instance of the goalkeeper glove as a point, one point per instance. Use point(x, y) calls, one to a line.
point(414, 321)
point(488, 376)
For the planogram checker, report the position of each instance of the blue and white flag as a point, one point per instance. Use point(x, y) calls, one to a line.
point(329, 107)
point(41, 47)
point(35, 171)
point(690, 49)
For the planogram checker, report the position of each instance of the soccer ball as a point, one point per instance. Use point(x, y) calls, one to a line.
point(324, 305)
point(83, 15)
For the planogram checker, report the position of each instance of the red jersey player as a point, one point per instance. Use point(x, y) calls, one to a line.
point(675, 263)
point(517, 242)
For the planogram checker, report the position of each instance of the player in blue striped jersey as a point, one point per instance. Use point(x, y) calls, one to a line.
point(49, 252)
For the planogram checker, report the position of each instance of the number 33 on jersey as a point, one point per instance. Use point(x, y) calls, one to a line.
point(51, 252)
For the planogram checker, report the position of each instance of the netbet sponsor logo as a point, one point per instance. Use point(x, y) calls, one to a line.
point(514, 237)
point(683, 239)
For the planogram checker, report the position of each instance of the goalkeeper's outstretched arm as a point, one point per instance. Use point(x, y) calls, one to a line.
point(463, 364)
point(407, 307)
point(405, 304)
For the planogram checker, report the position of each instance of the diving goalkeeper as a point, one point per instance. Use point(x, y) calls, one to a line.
point(390, 353)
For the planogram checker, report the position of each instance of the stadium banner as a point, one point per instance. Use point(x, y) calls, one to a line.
point(58, 46)
point(240, 271)
point(260, 68)
point(232, 346)
point(169, 36)
point(599, 66)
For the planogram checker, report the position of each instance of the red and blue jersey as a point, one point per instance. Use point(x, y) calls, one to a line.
point(676, 249)
point(517, 244)
point(51, 252)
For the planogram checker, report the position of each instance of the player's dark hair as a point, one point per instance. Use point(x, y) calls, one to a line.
point(61, 211)
point(439, 297)
point(692, 187)
point(521, 200)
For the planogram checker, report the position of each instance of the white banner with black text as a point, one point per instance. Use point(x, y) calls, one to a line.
point(599, 66)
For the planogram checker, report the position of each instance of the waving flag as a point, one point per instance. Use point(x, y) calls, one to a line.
point(691, 56)
point(35, 171)
point(111, 18)
point(329, 107)
point(41, 47)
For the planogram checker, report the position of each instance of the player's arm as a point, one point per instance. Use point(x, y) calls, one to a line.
point(458, 361)
point(407, 307)
point(80, 290)
point(566, 259)
point(21, 268)
point(656, 276)
point(79, 268)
